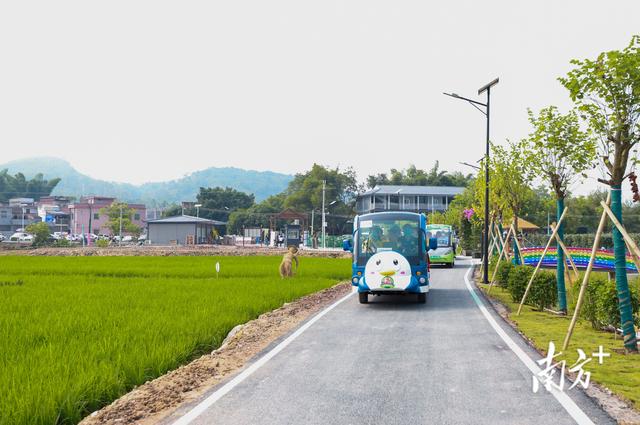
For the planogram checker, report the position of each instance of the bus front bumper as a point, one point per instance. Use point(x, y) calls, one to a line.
point(415, 287)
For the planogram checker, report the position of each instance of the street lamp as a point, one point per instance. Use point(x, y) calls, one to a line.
point(486, 112)
point(470, 165)
point(198, 210)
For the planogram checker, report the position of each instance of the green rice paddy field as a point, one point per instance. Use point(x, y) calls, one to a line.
point(78, 332)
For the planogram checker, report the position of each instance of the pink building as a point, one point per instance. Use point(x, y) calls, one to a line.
point(86, 216)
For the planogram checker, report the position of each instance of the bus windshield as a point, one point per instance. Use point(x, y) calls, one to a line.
point(442, 233)
point(389, 232)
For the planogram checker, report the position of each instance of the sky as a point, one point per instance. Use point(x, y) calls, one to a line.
point(138, 91)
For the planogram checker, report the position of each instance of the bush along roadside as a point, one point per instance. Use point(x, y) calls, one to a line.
point(502, 275)
point(515, 278)
point(600, 306)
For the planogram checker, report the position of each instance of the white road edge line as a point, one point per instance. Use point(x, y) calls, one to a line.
point(569, 405)
point(218, 394)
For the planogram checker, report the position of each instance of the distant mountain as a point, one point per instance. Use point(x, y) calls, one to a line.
point(261, 183)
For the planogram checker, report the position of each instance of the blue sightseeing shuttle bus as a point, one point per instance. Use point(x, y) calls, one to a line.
point(390, 254)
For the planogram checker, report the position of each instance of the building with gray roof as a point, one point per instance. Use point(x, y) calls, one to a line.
point(182, 230)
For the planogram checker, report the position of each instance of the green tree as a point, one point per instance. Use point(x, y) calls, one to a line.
point(18, 186)
point(217, 203)
point(585, 212)
point(537, 209)
point(119, 214)
point(607, 92)
point(497, 207)
point(258, 215)
point(304, 194)
point(413, 176)
point(510, 181)
point(469, 230)
point(40, 232)
point(559, 150)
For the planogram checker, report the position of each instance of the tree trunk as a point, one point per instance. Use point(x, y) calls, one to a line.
point(560, 284)
point(516, 251)
point(622, 286)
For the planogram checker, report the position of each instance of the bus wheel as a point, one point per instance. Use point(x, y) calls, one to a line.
point(422, 297)
point(450, 265)
point(364, 297)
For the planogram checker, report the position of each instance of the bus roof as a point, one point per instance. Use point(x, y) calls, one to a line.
point(390, 213)
point(438, 227)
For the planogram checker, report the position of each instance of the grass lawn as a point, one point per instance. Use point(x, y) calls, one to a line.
point(78, 332)
point(620, 373)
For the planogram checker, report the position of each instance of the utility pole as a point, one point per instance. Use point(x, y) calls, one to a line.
point(311, 233)
point(120, 238)
point(487, 114)
point(324, 223)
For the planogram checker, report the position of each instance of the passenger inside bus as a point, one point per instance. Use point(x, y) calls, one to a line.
point(409, 240)
point(395, 238)
point(371, 243)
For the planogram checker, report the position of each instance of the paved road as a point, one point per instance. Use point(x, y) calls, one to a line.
point(396, 362)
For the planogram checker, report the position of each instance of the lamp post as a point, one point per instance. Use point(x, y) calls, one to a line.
point(324, 223)
point(198, 210)
point(486, 112)
point(120, 234)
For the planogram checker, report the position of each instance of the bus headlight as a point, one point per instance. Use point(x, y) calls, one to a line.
point(422, 280)
point(355, 280)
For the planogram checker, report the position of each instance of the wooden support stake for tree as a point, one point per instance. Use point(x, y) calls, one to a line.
point(546, 248)
point(585, 279)
point(494, 239)
point(495, 270)
point(636, 259)
point(496, 233)
point(568, 277)
point(566, 252)
point(504, 241)
point(491, 246)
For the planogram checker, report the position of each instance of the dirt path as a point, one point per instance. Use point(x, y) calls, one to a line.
point(156, 399)
point(164, 251)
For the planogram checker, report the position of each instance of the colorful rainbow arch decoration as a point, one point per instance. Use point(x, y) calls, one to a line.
point(604, 258)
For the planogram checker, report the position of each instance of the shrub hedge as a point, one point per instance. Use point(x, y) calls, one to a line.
point(502, 275)
point(517, 282)
point(600, 305)
point(543, 293)
point(514, 278)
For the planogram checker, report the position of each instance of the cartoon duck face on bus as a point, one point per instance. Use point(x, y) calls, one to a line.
point(387, 270)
